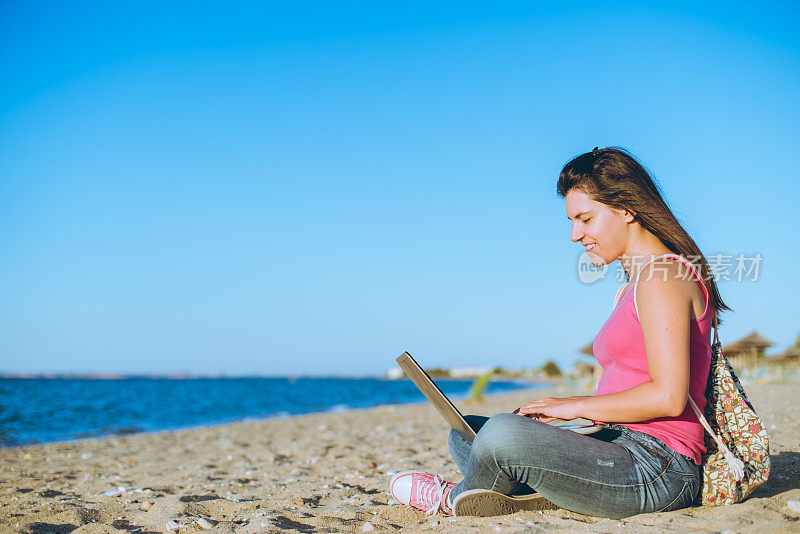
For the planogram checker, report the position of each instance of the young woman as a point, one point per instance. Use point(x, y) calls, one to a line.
point(654, 351)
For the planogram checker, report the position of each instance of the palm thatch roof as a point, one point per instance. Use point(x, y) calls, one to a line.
point(789, 356)
point(754, 340)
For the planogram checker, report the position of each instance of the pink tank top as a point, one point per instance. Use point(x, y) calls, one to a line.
point(619, 348)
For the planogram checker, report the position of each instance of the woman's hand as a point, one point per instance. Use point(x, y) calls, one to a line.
point(551, 408)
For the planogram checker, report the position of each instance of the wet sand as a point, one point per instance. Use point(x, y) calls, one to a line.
point(329, 473)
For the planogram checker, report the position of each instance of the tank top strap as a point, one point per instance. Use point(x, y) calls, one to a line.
point(681, 259)
point(616, 297)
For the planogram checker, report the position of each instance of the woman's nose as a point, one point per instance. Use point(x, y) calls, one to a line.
point(576, 235)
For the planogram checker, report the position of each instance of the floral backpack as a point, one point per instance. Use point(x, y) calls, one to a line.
point(737, 457)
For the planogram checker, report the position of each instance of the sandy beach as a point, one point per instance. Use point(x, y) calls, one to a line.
point(328, 473)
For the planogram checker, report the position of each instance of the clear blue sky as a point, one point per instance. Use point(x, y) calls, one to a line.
point(314, 188)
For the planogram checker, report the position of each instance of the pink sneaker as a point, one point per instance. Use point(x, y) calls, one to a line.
point(421, 490)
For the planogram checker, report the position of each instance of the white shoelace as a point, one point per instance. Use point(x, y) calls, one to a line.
point(432, 493)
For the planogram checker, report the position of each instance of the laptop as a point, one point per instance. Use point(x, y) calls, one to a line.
point(439, 400)
point(448, 410)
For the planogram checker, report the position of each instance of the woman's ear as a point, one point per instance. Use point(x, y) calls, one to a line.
point(628, 216)
point(625, 215)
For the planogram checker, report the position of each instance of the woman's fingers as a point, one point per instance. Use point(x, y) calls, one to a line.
point(535, 415)
point(549, 409)
point(537, 406)
point(528, 411)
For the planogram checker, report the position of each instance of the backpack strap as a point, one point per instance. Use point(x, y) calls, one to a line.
point(735, 465)
point(619, 292)
point(715, 343)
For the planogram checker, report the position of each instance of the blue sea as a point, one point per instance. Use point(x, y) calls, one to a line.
point(34, 410)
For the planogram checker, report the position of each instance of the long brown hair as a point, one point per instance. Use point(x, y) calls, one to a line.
point(613, 177)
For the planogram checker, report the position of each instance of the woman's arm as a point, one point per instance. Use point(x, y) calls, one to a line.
point(665, 313)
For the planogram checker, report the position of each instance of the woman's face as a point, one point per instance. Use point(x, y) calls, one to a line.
point(604, 231)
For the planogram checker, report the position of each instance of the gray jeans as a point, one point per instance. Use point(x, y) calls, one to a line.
point(616, 472)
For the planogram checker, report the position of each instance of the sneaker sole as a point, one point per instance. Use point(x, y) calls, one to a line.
point(487, 503)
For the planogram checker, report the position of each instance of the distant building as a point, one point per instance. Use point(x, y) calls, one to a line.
point(469, 372)
point(395, 373)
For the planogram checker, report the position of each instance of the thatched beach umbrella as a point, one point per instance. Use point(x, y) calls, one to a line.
point(745, 352)
point(790, 357)
point(751, 343)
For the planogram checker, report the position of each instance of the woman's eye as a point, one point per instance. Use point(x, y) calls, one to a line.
point(584, 221)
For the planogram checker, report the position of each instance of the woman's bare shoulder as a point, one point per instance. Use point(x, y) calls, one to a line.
point(668, 282)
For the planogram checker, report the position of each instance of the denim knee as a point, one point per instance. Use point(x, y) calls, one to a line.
point(497, 438)
point(504, 423)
